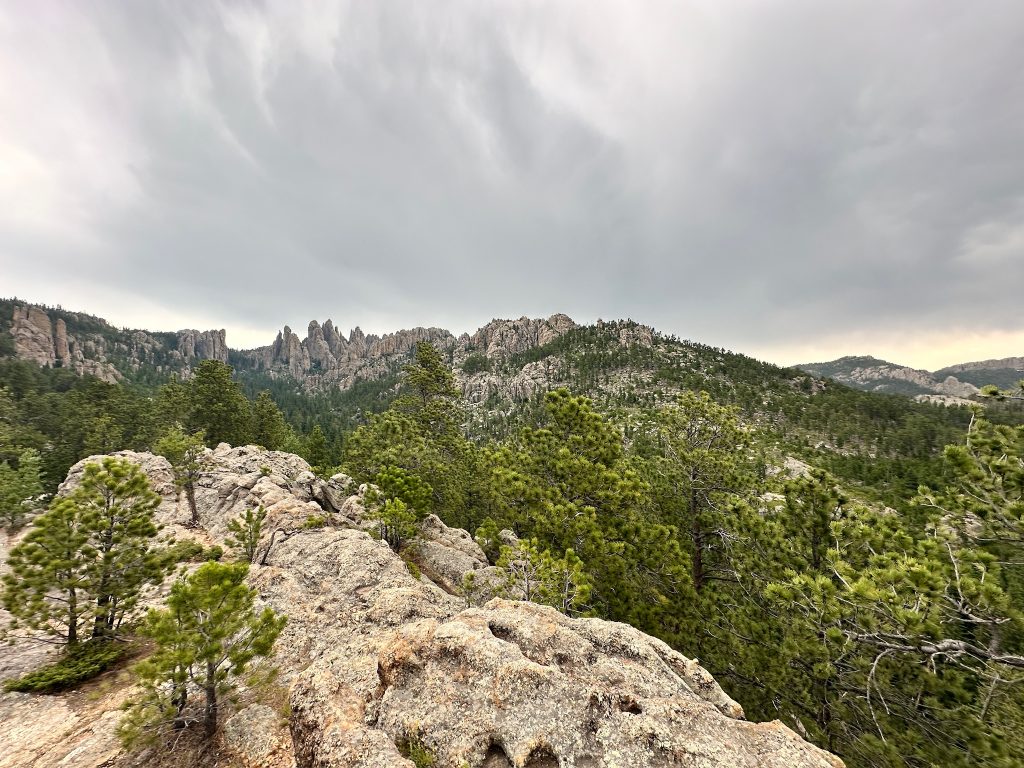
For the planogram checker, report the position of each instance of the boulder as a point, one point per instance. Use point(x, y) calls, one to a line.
point(447, 554)
point(257, 738)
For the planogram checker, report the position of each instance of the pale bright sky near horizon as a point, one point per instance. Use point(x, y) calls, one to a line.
point(796, 180)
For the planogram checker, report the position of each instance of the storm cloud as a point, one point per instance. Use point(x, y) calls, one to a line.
point(786, 179)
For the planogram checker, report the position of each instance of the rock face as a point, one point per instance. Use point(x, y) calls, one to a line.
point(534, 377)
point(327, 358)
point(1013, 363)
point(203, 345)
point(323, 358)
point(507, 383)
point(875, 375)
point(98, 349)
point(500, 338)
point(375, 658)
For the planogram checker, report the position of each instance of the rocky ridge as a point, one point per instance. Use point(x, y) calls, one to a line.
point(873, 375)
point(323, 358)
point(374, 657)
point(326, 357)
point(98, 349)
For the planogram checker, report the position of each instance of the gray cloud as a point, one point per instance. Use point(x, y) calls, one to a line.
point(748, 174)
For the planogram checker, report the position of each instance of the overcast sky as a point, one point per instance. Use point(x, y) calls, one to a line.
point(795, 180)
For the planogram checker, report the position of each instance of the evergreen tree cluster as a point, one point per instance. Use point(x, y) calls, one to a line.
point(890, 636)
point(77, 576)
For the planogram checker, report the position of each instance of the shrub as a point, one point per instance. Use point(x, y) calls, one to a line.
point(189, 551)
point(421, 756)
point(397, 522)
point(246, 532)
point(78, 664)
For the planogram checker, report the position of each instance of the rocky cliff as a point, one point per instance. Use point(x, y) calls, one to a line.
point(323, 358)
point(88, 345)
point(326, 357)
point(374, 657)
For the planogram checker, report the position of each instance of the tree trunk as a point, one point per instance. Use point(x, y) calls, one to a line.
point(190, 495)
point(180, 700)
point(696, 535)
point(102, 623)
point(72, 617)
point(211, 699)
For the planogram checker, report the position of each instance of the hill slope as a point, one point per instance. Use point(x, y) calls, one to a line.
point(873, 375)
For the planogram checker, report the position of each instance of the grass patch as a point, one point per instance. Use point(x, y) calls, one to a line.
point(415, 750)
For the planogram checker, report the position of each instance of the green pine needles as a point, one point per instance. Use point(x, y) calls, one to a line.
point(246, 531)
point(21, 489)
point(209, 634)
point(79, 571)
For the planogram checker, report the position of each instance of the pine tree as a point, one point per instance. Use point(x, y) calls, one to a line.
point(88, 557)
point(534, 574)
point(488, 538)
point(397, 522)
point(700, 475)
point(218, 407)
point(209, 634)
point(172, 405)
point(568, 485)
point(887, 636)
point(269, 428)
point(316, 452)
point(421, 433)
point(246, 531)
point(20, 489)
point(429, 393)
point(185, 453)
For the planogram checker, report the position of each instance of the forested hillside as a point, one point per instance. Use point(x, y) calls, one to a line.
point(818, 548)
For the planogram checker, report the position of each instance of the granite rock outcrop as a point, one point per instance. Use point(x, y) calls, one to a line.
point(87, 345)
point(375, 658)
point(326, 358)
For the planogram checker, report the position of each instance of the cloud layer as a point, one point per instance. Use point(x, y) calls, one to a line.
point(764, 176)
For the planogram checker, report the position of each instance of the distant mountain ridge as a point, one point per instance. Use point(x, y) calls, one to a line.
point(958, 381)
point(56, 338)
point(327, 359)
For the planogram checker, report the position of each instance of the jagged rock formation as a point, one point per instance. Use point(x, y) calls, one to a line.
point(873, 375)
point(325, 357)
point(94, 347)
point(501, 338)
point(203, 345)
point(374, 657)
point(516, 384)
